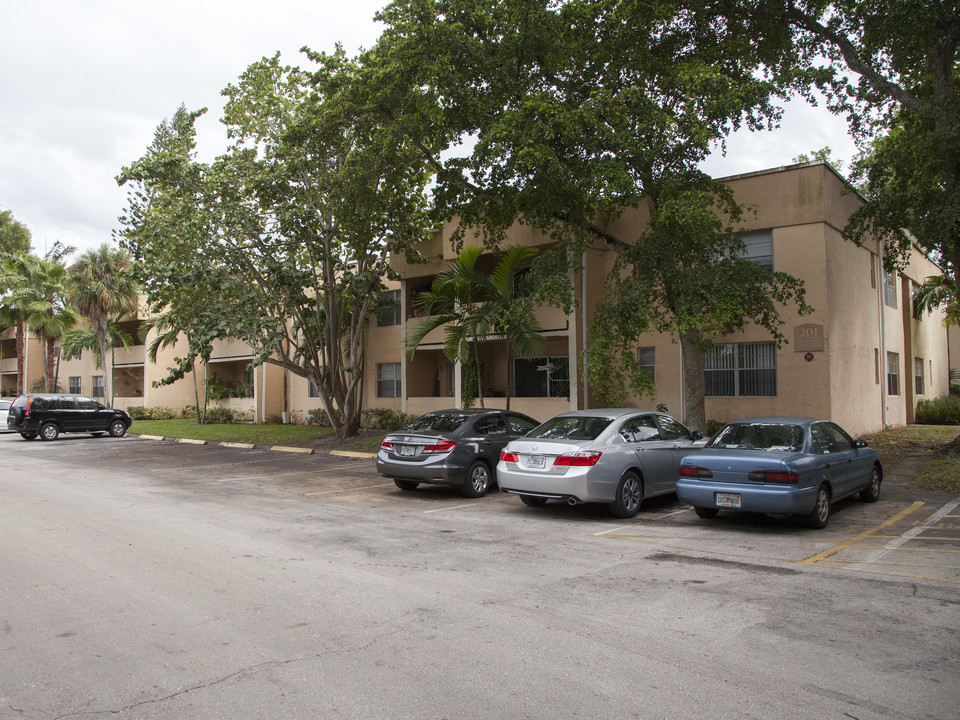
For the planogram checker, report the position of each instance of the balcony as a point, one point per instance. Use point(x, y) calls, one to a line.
point(133, 355)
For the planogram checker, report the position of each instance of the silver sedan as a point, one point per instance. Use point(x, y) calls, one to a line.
point(613, 456)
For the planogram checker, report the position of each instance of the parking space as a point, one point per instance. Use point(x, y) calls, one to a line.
point(898, 537)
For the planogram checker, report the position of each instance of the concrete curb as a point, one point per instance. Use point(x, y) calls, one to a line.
point(243, 446)
point(192, 441)
point(353, 454)
point(150, 437)
point(302, 451)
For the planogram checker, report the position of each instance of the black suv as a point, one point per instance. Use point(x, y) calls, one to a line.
point(49, 414)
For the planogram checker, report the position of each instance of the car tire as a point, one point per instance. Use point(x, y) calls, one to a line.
point(629, 495)
point(407, 485)
point(871, 493)
point(820, 515)
point(28, 435)
point(706, 513)
point(533, 500)
point(478, 480)
point(118, 428)
point(49, 431)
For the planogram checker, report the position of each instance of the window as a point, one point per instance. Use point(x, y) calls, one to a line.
point(492, 425)
point(741, 370)
point(647, 358)
point(74, 384)
point(640, 429)
point(918, 375)
point(314, 392)
point(520, 424)
point(759, 248)
point(890, 289)
point(388, 380)
point(873, 271)
point(388, 312)
point(893, 373)
point(97, 386)
point(541, 377)
point(672, 430)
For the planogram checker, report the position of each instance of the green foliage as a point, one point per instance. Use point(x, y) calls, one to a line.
point(138, 412)
point(939, 411)
point(385, 419)
point(282, 242)
point(226, 416)
point(14, 235)
point(713, 427)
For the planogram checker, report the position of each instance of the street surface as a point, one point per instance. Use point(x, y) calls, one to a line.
point(146, 579)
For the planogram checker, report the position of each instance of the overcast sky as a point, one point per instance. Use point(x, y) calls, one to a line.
point(84, 84)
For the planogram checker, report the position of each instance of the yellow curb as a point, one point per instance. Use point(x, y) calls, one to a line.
point(282, 448)
point(150, 437)
point(353, 454)
point(245, 446)
point(192, 441)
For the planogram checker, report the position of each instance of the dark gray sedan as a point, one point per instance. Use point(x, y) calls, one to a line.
point(451, 447)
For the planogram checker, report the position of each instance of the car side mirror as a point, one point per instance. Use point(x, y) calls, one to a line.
point(861, 443)
point(697, 435)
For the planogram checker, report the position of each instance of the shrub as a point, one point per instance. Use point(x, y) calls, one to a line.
point(941, 411)
point(221, 416)
point(713, 427)
point(318, 416)
point(137, 412)
point(385, 419)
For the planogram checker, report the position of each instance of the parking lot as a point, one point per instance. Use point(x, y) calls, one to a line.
point(266, 571)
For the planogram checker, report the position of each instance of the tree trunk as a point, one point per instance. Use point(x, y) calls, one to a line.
point(476, 357)
point(694, 389)
point(48, 365)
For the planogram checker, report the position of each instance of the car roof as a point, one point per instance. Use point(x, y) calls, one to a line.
point(608, 412)
point(785, 420)
point(465, 411)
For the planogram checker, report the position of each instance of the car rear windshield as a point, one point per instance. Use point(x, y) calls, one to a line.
point(571, 428)
point(438, 423)
point(760, 436)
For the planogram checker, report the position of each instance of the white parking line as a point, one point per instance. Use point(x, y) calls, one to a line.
point(627, 527)
point(908, 535)
point(452, 507)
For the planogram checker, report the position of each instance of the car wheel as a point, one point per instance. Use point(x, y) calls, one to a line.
point(28, 436)
point(706, 513)
point(821, 511)
point(629, 494)
point(406, 484)
point(533, 500)
point(871, 493)
point(478, 480)
point(118, 428)
point(49, 431)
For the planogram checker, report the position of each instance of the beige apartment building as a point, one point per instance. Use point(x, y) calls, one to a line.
point(860, 359)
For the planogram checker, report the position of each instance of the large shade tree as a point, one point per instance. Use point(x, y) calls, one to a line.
point(293, 226)
point(570, 114)
point(102, 288)
point(14, 235)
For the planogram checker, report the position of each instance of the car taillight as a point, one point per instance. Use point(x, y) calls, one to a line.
point(695, 472)
point(579, 459)
point(774, 476)
point(441, 446)
point(509, 456)
point(386, 445)
point(26, 410)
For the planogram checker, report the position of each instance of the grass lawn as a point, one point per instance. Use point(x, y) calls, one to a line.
point(304, 435)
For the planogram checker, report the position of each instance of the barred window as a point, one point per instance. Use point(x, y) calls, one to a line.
point(918, 375)
point(388, 380)
point(744, 370)
point(97, 386)
point(541, 377)
point(890, 289)
point(75, 385)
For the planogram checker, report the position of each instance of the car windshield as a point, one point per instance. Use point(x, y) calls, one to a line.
point(571, 428)
point(437, 422)
point(760, 436)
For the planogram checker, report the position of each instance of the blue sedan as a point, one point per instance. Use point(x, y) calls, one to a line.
point(780, 466)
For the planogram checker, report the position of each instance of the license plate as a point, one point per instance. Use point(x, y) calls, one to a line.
point(407, 450)
point(537, 462)
point(728, 500)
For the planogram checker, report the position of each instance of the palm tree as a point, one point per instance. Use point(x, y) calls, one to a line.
point(103, 289)
point(936, 291)
point(475, 306)
point(47, 311)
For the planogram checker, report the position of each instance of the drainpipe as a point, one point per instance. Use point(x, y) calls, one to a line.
point(683, 399)
point(263, 394)
point(883, 336)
